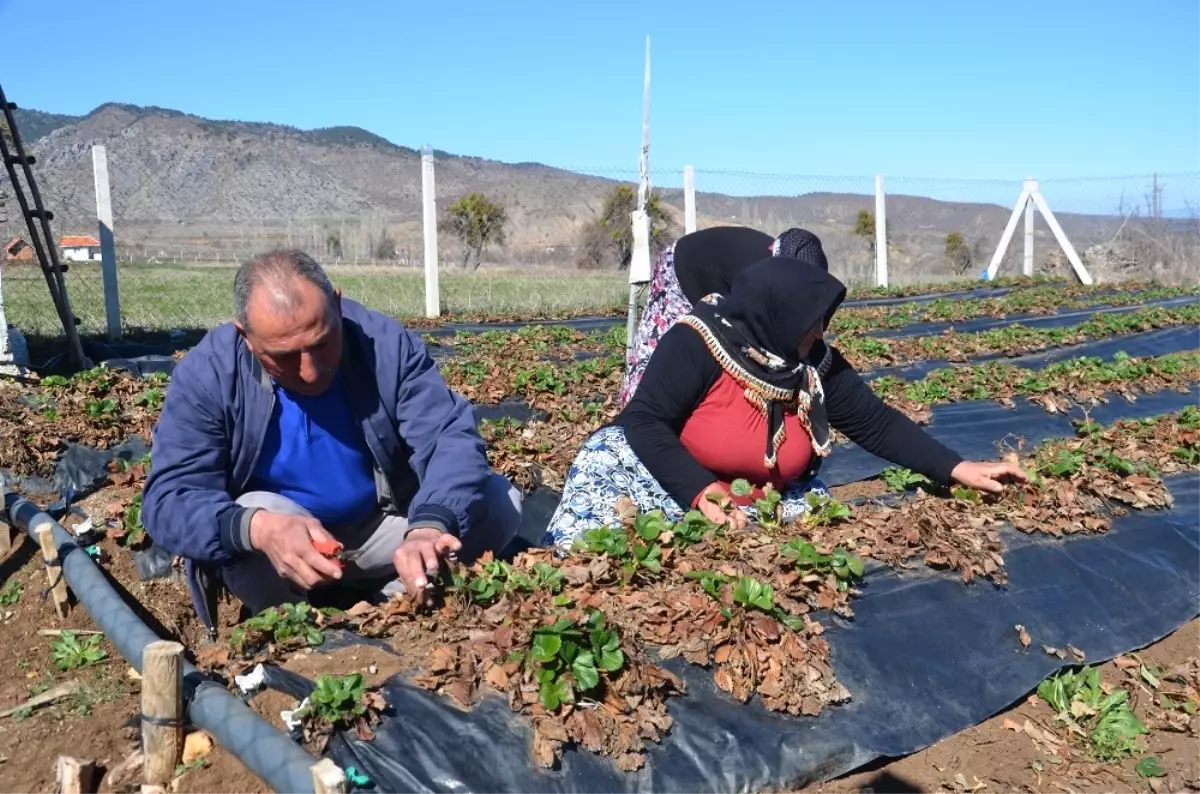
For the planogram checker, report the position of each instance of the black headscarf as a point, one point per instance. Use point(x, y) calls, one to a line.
point(707, 261)
point(755, 334)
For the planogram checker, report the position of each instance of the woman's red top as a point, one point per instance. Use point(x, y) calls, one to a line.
point(726, 434)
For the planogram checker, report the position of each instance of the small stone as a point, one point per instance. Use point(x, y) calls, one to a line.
point(197, 745)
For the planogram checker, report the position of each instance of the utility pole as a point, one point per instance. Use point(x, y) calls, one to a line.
point(1157, 209)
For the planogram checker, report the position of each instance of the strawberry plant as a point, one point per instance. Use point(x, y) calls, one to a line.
point(133, 530)
point(692, 528)
point(496, 578)
point(768, 507)
point(899, 479)
point(568, 658)
point(338, 702)
point(748, 593)
point(965, 494)
point(336, 699)
point(841, 564)
point(824, 510)
point(97, 409)
point(637, 553)
point(151, 399)
point(1064, 463)
point(278, 624)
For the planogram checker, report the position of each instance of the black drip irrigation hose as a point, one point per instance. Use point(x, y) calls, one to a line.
point(267, 752)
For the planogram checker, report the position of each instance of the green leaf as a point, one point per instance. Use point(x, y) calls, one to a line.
point(555, 693)
point(584, 670)
point(649, 526)
point(753, 593)
point(1148, 675)
point(789, 620)
point(548, 693)
point(741, 488)
point(856, 565)
point(611, 660)
point(545, 647)
point(1151, 766)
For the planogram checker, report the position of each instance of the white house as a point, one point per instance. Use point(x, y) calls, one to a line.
point(80, 248)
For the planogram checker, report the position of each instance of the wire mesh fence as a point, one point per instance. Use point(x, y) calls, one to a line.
point(538, 241)
point(1144, 226)
point(839, 210)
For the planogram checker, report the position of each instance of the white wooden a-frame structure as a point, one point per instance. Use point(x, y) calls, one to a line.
point(1031, 198)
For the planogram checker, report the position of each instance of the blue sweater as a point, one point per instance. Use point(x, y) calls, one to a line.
point(427, 456)
point(315, 454)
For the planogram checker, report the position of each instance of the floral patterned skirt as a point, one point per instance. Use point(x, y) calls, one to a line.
point(606, 469)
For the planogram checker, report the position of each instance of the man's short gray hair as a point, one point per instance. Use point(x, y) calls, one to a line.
point(277, 270)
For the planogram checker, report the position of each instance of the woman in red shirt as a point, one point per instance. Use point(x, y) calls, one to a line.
point(732, 392)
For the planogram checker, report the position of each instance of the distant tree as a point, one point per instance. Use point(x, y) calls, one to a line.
point(594, 247)
point(477, 222)
point(958, 253)
point(864, 227)
point(616, 229)
point(333, 245)
point(384, 247)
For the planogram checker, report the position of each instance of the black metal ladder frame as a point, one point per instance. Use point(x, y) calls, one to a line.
point(41, 239)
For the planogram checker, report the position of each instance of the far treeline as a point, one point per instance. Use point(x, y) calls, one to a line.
point(606, 242)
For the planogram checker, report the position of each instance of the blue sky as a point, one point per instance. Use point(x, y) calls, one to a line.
point(930, 88)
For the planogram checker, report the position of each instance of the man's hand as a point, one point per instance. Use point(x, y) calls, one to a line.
point(419, 556)
point(987, 476)
point(288, 543)
point(722, 511)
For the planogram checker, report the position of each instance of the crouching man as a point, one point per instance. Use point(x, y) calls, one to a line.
point(311, 421)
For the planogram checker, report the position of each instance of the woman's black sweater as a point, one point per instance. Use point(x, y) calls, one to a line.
point(680, 374)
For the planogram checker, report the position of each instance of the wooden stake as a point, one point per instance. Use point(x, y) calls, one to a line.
point(328, 777)
point(54, 571)
point(49, 696)
point(74, 776)
point(162, 711)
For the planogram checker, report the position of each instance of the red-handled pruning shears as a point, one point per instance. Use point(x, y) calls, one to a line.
point(334, 551)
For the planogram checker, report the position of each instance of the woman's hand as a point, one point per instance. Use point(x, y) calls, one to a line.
point(723, 510)
point(988, 477)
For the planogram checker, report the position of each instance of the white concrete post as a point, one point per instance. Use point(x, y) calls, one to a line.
point(881, 265)
point(689, 199)
point(433, 303)
point(1027, 268)
point(108, 247)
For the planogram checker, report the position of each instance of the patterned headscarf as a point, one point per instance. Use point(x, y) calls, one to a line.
point(800, 244)
point(754, 334)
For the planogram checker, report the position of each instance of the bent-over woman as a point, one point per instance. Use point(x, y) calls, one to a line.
point(700, 264)
point(731, 392)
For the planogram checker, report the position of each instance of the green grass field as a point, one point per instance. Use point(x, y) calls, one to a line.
point(162, 297)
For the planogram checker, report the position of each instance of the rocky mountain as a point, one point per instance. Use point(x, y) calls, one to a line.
point(180, 181)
